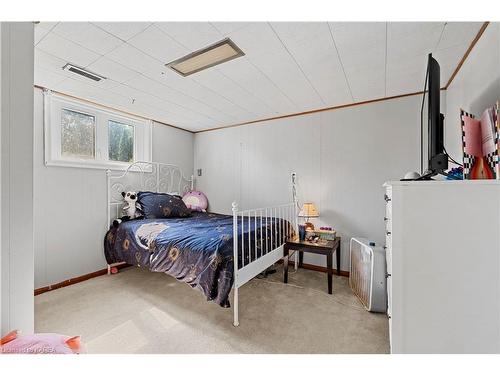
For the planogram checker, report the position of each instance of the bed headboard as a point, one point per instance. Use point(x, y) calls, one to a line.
point(144, 176)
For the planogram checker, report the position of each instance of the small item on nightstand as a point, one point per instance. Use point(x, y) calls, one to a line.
point(302, 232)
point(310, 234)
point(326, 234)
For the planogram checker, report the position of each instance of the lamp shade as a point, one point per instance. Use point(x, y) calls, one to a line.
point(309, 210)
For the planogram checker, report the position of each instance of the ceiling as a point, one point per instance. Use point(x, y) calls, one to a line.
point(288, 67)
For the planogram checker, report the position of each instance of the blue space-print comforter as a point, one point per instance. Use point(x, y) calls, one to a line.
point(197, 250)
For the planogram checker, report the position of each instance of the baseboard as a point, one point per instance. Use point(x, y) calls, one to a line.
point(314, 267)
point(76, 280)
point(104, 271)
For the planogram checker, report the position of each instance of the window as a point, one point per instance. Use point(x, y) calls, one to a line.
point(78, 134)
point(120, 141)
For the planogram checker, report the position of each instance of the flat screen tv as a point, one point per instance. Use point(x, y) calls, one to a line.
point(437, 162)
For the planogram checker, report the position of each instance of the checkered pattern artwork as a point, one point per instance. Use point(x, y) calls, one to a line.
point(468, 159)
point(492, 159)
point(497, 140)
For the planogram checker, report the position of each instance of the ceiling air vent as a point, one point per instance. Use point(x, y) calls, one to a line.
point(83, 72)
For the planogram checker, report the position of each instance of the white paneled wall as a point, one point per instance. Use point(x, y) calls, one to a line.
point(475, 87)
point(16, 177)
point(70, 205)
point(342, 158)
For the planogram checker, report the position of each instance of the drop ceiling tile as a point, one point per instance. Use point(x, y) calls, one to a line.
point(265, 50)
point(413, 39)
point(67, 50)
point(161, 92)
point(40, 33)
point(47, 25)
point(206, 97)
point(256, 39)
point(360, 35)
point(414, 65)
point(239, 95)
point(177, 98)
point(138, 98)
point(137, 60)
point(311, 45)
point(47, 78)
point(248, 76)
point(406, 75)
point(93, 93)
point(361, 45)
point(300, 32)
point(400, 84)
point(192, 35)
point(113, 70)
point(286, 75)
point(226, 28)
point(123, 30)
point(332, 86)
point(458, 33)
point(361, 59)
point(340, 25)
point(88, 36)
point(367, 86)
point(158, 45)
point(48, 62)
point(413, 28)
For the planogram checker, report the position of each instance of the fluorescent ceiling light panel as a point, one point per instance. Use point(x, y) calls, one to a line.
point(207, 57)
point(83, 72)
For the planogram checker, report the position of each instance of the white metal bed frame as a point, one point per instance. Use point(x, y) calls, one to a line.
point(168, 178)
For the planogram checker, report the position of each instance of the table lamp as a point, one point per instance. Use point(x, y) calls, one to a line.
point(308, 210)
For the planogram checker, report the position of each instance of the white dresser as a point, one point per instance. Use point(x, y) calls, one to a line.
point(443, 266)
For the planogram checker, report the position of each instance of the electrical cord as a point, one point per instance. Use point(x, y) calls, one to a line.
point(451, 159)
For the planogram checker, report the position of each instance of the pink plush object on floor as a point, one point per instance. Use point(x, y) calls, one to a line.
point(40, 343)
point(195, 201)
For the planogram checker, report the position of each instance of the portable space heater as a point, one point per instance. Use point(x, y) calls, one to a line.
point(367, 274)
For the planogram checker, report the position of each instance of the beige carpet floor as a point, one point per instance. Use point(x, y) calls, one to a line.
point(137, 311)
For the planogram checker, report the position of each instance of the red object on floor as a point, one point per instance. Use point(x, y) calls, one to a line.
point(114, 270)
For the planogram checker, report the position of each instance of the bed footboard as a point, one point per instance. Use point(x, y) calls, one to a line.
point(258, 239)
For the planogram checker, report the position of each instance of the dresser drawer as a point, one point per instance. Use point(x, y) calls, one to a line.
point(388, 210)
point(388, 238)
point(389, 295)
point(388, 259)
point(388, 223)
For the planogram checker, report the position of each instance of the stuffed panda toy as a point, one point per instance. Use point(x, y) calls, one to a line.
point(131, 209)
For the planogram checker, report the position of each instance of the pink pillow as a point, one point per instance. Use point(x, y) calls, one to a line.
point(40, 343)
point(196, 201)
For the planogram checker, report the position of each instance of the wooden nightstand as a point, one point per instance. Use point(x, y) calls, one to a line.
point(326, 248)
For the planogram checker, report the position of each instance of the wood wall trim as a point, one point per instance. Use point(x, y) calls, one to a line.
point(104, 271)
point(112, 108)
point(312, 111)
point(76, 280)
point(471, 46)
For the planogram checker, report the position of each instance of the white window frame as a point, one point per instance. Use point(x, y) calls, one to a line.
point(53, 106)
